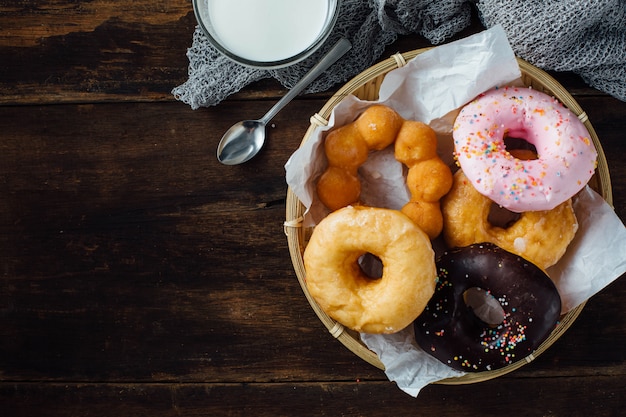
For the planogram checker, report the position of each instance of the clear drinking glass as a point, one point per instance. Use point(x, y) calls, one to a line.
point(266, 34)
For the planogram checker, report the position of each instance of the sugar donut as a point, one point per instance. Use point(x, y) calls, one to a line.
point(567, 156)
point(341, 288)
point(541, 237)
point(449, 330)
point(378, 127)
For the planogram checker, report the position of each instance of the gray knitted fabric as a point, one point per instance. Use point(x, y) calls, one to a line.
point(587, 37)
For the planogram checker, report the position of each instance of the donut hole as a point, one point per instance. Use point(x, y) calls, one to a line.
point(484, 306)
point(520, 148)
point(501, 217)
point(371, 266)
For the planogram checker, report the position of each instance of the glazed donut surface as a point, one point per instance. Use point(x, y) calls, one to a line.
point(542, 237)
point(449, 330)
point(341, 288)
point(567, 156)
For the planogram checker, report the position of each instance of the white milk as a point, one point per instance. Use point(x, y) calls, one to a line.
point(267, 30)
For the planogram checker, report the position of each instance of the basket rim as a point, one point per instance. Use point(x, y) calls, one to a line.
point(295, 210)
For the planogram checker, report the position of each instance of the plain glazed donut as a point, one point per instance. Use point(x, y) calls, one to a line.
point(541, 237)
point(567, 156)
point(341, 288)
point(449, 330)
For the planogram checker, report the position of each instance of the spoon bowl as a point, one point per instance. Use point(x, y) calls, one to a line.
point(245, 139)
point(249, 134)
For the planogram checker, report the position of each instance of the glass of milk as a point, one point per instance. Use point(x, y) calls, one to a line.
point(266, 33)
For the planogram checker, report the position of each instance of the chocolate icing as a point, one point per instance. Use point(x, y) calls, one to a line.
point(449, 330)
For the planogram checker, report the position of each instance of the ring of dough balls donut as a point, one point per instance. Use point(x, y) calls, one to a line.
point(341, 288)
point(379, 126)
point(566, 155)
point(541, 237)
point(347, 148)
point(428, 178)
point(449, 330)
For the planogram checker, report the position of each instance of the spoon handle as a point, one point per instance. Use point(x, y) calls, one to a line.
point(337, 51)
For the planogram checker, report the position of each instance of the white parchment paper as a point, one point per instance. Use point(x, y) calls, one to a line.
point(432, 88)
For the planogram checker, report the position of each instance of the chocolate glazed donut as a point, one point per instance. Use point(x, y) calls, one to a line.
point(449, 330)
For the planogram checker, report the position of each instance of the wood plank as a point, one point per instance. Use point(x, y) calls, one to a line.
point(106, 51)
point(138, 276)
point(114, 236)
point(62, 51)
point(566, 397)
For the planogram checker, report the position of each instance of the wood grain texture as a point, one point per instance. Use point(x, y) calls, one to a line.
point(138, 276)
point(81, 51)
point(554, 397)
point(135, 228)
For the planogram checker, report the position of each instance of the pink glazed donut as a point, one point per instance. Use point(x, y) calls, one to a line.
point(566, 155)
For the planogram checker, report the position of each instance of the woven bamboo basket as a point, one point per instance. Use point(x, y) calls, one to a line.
point(366, 86)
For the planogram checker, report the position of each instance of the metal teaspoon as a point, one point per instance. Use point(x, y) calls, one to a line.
point(245, 139)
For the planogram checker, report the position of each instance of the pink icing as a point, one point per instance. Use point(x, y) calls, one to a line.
point(566, 155)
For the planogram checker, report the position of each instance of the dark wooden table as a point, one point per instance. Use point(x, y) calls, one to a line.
point(140, 277)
